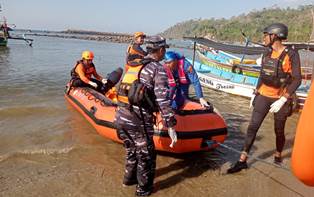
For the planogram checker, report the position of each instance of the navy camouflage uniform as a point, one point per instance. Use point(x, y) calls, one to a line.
point(140, 149)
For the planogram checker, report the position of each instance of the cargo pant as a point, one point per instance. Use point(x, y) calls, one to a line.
point(140, 152)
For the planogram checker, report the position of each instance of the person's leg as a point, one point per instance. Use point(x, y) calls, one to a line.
point(79, 83)
point(146, 157)
point(100, 85)
point(127, 136)
point(279, 124)
point(112, 79)
point(261, 108)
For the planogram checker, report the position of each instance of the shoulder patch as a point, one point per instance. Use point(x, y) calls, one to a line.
point(190, 69)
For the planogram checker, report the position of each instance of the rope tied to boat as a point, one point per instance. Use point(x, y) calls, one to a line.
point(210, 143)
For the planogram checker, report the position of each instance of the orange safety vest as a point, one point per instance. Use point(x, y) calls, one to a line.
point(88, 70)
point(129, 77)
point(133, 57)
point(285, 68)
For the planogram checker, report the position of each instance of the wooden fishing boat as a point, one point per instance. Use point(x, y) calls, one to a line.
point(3, 41)
point(5, 35)
point(229, 63)
point(238, 84)
point(207, 45)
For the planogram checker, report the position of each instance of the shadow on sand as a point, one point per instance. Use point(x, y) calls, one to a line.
point(195, 164)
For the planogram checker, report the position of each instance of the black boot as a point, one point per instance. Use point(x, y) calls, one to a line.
point(144, 192)
point(129, 180)
point(277, 160)
point(237, 167)
point(129, 183)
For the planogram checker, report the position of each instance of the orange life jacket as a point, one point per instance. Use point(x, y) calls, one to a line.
point(88, 70)
point(285, 68)
point(132, 91)
point(133, 57)
point(129, 77)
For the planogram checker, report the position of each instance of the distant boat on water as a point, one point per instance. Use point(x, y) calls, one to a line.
point(3, 41)
point(5, 35)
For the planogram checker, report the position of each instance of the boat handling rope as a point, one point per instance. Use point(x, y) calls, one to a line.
point(213, 142)
point(210, 143)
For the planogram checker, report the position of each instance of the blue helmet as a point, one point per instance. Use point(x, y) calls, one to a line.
point(171, 56)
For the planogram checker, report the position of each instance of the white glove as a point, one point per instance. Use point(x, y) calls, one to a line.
point(251, 101)
point(277, 105)
point(259, 61)
point(203, 102)
point(93, 84)
point(104, 81)
point(173, 135)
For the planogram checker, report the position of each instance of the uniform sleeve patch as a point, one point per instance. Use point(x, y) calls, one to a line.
point(190, 69)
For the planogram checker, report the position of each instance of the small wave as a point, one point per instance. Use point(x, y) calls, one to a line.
point(35, 152)
point(28, 110)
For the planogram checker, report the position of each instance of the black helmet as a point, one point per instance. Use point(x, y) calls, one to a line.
point(156, 42)
point(279, 29)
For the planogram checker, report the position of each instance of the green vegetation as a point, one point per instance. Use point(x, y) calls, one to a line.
point(299, 21)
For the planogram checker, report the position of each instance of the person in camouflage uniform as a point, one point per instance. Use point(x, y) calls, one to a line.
point(137, 132)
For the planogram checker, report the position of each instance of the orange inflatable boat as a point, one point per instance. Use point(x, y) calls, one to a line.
point(197, 128)
point(302, 160)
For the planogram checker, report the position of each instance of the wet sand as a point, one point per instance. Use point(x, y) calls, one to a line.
point(93, 166)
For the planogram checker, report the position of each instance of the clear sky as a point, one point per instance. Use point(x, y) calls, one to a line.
point(126, 16)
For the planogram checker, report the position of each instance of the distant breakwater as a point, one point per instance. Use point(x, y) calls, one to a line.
point(87, 35)
point(92, 35)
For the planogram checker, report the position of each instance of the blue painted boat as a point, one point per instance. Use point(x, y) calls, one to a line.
point(228, 62)
point(237, 84)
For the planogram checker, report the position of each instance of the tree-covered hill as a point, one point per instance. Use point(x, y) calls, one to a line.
point(299, 21)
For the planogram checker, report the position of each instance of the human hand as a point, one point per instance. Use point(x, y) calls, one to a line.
point(252, 100)
point(277, 105)
point(93, 84)
point(104, 81)
point(173, 135)
point(203, 102)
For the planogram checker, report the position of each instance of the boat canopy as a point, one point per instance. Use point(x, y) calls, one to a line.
point(248, 50)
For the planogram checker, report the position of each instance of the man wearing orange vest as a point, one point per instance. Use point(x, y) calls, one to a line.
point(135, 53)
point(84, 70)
point(180, 75)
point(280, 77)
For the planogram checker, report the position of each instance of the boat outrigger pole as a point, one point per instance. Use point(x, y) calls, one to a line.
point(248, 40)
point(27, 40)
point(194, 49)
point(246, 44)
